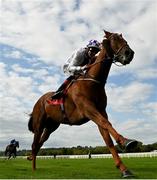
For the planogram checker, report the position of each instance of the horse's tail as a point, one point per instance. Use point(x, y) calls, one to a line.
point(30, 123)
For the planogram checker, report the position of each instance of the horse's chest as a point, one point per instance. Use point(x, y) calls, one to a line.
point(101, 101)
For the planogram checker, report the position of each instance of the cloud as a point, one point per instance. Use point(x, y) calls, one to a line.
point(39, 36)
point(151, 73)
point(128, 97)
point(14, 54)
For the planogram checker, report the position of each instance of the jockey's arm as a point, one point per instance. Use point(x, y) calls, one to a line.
point(73, 64)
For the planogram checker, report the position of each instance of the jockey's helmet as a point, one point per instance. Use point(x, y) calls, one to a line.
point(93, 44)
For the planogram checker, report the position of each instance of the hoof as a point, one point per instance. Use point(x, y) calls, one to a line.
point(130, 144)
point(127, 174)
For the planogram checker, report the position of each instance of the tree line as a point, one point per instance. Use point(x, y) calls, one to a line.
point(83, 150)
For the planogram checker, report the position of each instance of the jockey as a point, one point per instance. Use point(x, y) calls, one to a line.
point(77, 64)
point(13, 142)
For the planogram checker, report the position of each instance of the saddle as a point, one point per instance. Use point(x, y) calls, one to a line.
point(61, 99)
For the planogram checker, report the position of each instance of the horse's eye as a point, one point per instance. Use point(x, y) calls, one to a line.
point(114, 38)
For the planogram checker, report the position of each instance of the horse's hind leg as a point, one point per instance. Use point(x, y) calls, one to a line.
point(49, 128)
point(9, 156)
point(41, 136)
point(35, 146)
point(118, 162)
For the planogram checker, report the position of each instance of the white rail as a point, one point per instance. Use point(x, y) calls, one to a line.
point(126, 155)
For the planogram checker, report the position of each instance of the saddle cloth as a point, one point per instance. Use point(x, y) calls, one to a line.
point(56, 101)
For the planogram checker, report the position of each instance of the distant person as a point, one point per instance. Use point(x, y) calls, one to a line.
point(89, 155)
point(13, 142)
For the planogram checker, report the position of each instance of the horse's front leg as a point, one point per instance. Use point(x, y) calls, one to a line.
point(107, 138)
point(89, 110)
point(118, 162)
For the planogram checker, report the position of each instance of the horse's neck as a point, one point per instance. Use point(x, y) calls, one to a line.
point(102, 66)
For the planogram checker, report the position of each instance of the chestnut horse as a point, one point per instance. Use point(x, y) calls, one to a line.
point(85, 100)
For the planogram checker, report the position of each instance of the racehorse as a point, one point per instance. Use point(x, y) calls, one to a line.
point(85, 100)
point(11, 150)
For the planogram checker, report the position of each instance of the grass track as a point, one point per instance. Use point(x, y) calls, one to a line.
point(143, 168)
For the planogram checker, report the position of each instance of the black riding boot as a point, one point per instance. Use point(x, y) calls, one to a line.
point(59, 93)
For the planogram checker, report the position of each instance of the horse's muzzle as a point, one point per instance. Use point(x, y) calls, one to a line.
point(127, 57)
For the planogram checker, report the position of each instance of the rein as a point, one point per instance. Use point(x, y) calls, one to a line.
point(118, 51)
point(119, 65)
point(89, 66)
point(90, 78)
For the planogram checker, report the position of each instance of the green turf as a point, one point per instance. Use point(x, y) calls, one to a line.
point(143, 168)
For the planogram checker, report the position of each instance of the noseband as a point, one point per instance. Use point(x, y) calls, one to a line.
point(120, 49)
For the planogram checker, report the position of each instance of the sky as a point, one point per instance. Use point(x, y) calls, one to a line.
point(38, 36)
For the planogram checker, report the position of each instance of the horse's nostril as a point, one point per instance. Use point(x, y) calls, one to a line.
point(126, 62)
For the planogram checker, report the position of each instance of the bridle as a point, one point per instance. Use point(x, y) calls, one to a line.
point(114, 57)
point(118, 51)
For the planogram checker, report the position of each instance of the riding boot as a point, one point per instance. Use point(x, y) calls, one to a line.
point(59, 93)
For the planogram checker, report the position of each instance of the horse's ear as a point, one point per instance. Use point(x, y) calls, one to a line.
point(107, 34)
point(105, 43)
point(120, 35)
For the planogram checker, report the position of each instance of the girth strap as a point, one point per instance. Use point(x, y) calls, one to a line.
point(65, 118)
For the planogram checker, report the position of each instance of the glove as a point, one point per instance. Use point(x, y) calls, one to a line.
point(79, 68)
point(84, 68)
